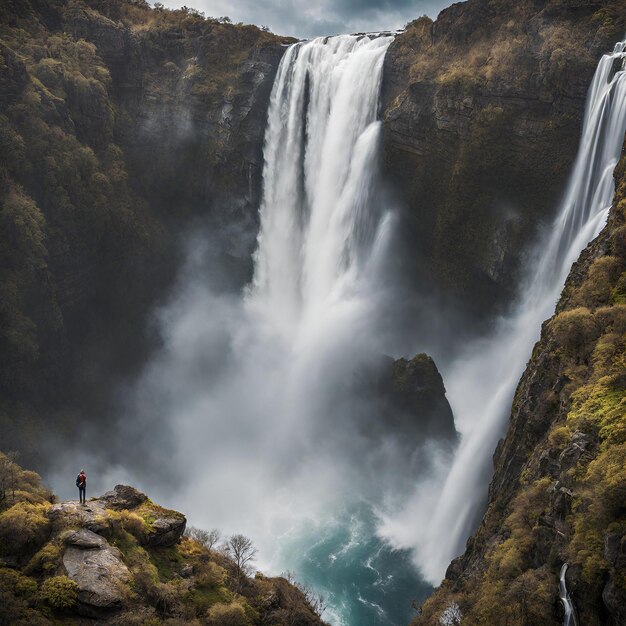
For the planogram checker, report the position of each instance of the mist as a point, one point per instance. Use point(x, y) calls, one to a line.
point(482, 379)
point(257, 413)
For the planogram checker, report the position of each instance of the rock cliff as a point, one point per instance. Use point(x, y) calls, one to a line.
point(120, 128)
point(482, 111)
point(121, 559)
point(557, 495)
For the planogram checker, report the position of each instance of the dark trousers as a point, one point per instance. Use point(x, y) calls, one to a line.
point(81, 493)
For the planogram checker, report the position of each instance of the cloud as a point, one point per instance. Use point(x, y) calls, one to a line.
point(302, 18)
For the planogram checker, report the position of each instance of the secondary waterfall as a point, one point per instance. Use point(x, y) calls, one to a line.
point(481, 383)
point(569, 617)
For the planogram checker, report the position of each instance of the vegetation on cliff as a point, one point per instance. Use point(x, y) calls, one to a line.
point(119, 124)
point(559, 485)
point(482, 111)
point(121, 559)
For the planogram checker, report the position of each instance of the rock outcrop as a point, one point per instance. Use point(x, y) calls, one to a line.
point(98, 570)
point(121, 559)
point(409, 399)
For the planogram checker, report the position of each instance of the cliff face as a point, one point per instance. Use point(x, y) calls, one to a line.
point(121, 559)
point(119, 127)
point(482, 112)
point(559, 482)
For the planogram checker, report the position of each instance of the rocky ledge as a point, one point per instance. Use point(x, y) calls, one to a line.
point(122, 559)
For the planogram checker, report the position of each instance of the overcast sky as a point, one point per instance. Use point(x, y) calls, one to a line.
point(307, 18)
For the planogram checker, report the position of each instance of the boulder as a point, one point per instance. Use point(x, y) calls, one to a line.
point(166, 530)
point(123, 497)
point(85, 539)
point(97, 568)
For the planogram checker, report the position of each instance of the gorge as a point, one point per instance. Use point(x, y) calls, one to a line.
point(222, 250)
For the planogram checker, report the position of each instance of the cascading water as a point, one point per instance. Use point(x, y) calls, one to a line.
point(319, 227)
point(481, 383)
point(256, 391)
point(569, 617)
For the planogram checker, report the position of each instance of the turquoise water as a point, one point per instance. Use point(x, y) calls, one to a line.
point(364, 581)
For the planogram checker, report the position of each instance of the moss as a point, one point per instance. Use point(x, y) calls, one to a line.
point(618, 293)
point(46, 561)
point(23, 527)
point(601, 408)
point(202, 598)
point(168, 562)
point(60, 592)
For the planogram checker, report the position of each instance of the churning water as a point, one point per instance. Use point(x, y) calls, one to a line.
point(481, 383)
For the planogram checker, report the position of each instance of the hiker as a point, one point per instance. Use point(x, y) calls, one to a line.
point(81, 483)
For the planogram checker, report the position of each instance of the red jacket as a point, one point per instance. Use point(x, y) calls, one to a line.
point(82, 479)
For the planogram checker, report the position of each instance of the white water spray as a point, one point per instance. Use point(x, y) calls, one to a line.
point(481, 383)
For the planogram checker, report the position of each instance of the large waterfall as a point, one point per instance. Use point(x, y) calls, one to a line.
point(257, 390)
point(320, 229)
point(481, 383)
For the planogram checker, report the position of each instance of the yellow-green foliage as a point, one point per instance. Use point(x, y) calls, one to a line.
point(600, 407)
point(18, 584)
point(509, 559)
point(19, 485)
point(232, 614)
point(599, 508)
point(23, 527)
point(575, 332)
point(60, 592)
point(130, 522)
point(46, 560)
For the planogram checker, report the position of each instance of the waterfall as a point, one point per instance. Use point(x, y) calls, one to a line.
point(481, 383)
point(259, 388)
point(319, 225)
point(569, 618)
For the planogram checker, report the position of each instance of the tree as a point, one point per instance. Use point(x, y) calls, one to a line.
point(8, 471)
point(208, 538)
point(242, 552)
point(315, 600)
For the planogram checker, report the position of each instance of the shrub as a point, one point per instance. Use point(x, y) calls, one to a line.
point(211, 575)
point(60, 592)
point(46, 560)
point(20, 585)
point(575, 331)
point(227, 615)
point(22, 527)
point(597, 288)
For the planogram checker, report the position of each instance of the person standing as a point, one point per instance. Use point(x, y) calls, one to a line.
point(81, 483)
